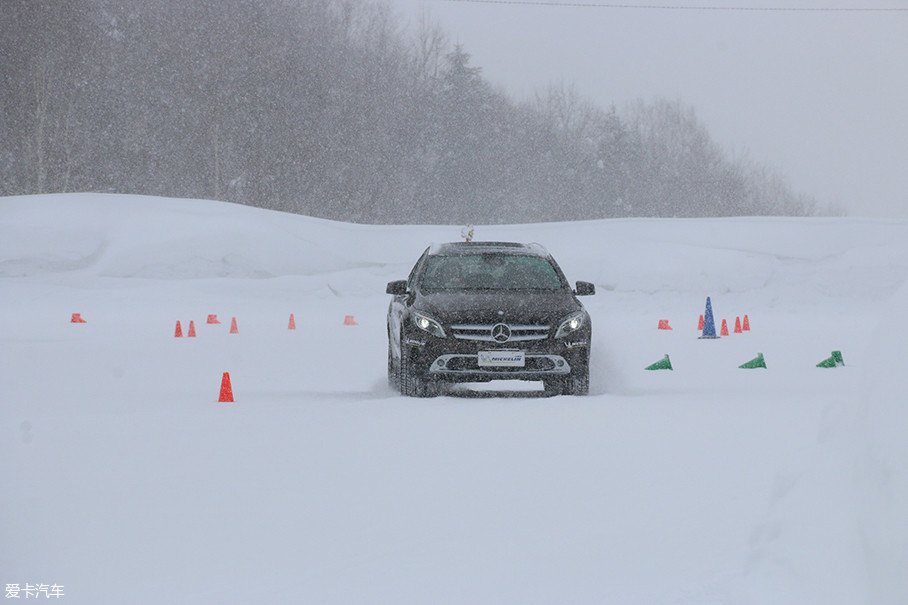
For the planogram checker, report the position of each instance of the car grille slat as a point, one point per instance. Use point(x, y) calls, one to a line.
point(484, 332)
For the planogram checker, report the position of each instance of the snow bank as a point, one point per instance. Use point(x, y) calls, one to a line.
point(707, 484)
point(883, 464)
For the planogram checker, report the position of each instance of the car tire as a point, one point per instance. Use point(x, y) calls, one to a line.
point(412, 383)
point(575, 383)
point(393, 368)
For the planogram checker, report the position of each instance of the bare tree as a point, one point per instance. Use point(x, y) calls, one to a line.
point(324, 107)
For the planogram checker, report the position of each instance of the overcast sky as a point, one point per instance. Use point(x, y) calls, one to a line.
point(821, 96)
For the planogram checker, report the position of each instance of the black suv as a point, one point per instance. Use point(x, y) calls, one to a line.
point(478, 311)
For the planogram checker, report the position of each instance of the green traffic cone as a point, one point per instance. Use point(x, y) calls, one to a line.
point(834, 361)
point(663, 364)
point(756, 362)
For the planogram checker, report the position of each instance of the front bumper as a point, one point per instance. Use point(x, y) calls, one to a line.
point(458, 360)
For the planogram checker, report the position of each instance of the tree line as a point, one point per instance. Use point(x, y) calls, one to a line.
point(329, 108)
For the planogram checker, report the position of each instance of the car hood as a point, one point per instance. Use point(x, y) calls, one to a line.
point(491, 307)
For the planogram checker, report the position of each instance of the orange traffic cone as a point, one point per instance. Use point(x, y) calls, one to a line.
point(77, 319)
point(349, 321)
point(724, 331)
point(738, 325)
point(700, 325)
point(191, 333)
point(178, 332)
point(213, 318)
point(292, 324)
point(233, 327)
point(663, 324)
point(746, 326)
point(226, 395)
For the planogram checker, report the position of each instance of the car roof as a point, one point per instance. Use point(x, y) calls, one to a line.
point(459, 248)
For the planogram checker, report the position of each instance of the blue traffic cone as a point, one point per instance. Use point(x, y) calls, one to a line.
point(709, 324)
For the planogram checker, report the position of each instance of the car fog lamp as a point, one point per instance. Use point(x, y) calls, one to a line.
point(423, 323)
point(575, 323)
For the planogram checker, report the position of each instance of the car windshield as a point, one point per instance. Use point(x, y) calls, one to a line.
point(490, 271)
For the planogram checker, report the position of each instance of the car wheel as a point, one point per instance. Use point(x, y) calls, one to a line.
point(393, 368)
point(412, 383)
point(578, 382)
point(575, 383)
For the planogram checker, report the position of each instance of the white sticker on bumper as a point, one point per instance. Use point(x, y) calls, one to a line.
point(510, 359)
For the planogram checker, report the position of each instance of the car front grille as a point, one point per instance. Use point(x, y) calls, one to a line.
point(485, 332)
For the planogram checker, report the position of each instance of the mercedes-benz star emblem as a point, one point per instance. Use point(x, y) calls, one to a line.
point(501, 333)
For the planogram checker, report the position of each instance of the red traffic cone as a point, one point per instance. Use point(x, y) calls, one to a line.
point(700, 325)
point(178, 332)
point(292, 324)
point(349, 321)
point(724, 331)
point(77, 319)
point(746, 326)
point(233, 327)
point(663, 324)
point(226, 395)
point(213, 318)
point(191, 333)
point(738, 325)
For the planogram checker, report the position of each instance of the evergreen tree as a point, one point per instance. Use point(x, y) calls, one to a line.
point(323, 107)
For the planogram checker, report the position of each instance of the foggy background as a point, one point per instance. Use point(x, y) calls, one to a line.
point(357, 111)
point(815, 89)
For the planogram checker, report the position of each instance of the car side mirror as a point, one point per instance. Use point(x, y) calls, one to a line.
point(397, 287)
point(585, 288)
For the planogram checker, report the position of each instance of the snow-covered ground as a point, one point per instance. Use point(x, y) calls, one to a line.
point(123, 480)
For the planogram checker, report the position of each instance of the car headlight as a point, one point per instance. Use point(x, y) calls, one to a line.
point(428, 324)
point(572, 323)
